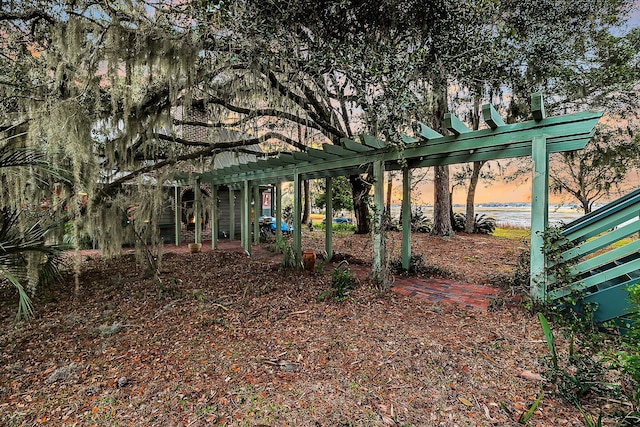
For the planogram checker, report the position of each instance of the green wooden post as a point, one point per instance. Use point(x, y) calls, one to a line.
point(278, 211)
point(328, 221)
point(378, 228)
point(214, 217)
point(539, 215)
point(257, 206)
point(297, 223)
point(177, 214)
point(243, 215)
point(246, 219)
point(232, 213)
point(406, 218)
point(197, 210)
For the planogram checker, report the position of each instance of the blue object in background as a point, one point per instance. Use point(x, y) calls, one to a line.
point(271, 221)
point(342, 220)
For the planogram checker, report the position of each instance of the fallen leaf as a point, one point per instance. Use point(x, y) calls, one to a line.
point(465, 401)
point(528, 375)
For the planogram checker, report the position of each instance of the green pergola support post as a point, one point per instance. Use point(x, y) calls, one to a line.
point(378, 227)
point(406, 218)
point(214, 217)
point(297, 223)
point(539, 216)
point(328, 221)
point(245, 208)
point(247, 218)
point(178, 214)
point(232, 213)
point(278, 211)
point(257, 203)
point(197, 210)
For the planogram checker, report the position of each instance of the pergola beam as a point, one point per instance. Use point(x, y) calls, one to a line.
point(454, 125)
point(491, 117)
point(562, 134)
point(354, 146)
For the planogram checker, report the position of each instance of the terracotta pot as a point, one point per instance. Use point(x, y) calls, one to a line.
point(309, 260)
point(195, 247)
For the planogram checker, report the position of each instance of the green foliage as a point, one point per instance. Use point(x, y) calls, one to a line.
point(518, 279)
point(340, 227)
point(341, 198)
point(628, 359)
point(588, 419)
point(420, 223)
point(25, 257)
point(512, 232)
point(287, 214)
point(554, 245)
point(551, 344)
point(578, 376)
point(79, 241)
point(482, 224)
point(342, 281)
point(417, 266)
point(283, 246)
point(25, 307)
point(526, 416)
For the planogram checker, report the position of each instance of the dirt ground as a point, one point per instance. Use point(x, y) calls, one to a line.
point(228, 340)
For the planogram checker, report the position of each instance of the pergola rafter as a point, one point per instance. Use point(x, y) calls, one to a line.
point(537, 138)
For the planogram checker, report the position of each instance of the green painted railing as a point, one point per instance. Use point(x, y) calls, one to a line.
point(605, 257)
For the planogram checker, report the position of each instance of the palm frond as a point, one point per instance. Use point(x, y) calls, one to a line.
point(25, 307)
point(15, 248)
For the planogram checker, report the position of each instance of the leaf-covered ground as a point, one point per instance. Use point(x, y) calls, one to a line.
point(231, 340)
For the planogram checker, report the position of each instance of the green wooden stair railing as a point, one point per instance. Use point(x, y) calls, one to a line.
point(605, 256)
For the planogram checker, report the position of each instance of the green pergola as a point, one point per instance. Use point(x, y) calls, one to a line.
point(536, 138)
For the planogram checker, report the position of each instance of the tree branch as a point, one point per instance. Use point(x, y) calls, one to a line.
point(325, 126)
point(27, 15)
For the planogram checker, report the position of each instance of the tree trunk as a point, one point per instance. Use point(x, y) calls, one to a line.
point(389, 188)
point(470, 220)
point(306, 209)
point(360, 192)
point(470, 216)
point(442, 220)
point(441, 206)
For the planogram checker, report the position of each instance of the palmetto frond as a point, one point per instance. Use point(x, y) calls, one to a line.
point(16, 246)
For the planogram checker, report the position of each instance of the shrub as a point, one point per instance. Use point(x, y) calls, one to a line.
point(417, 266)
point(482, 224)
point(340, 227)
point(517, 279)
point(420, 223)
point(342, 281)
point(628, 360)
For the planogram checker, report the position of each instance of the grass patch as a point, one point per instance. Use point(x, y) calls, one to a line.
point(511, 232)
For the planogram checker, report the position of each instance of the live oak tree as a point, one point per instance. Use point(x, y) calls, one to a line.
point(341, 197)
point(606, 78)
point(565, 49)
point(595, 173)
point(94, 86)
point(97, 86)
